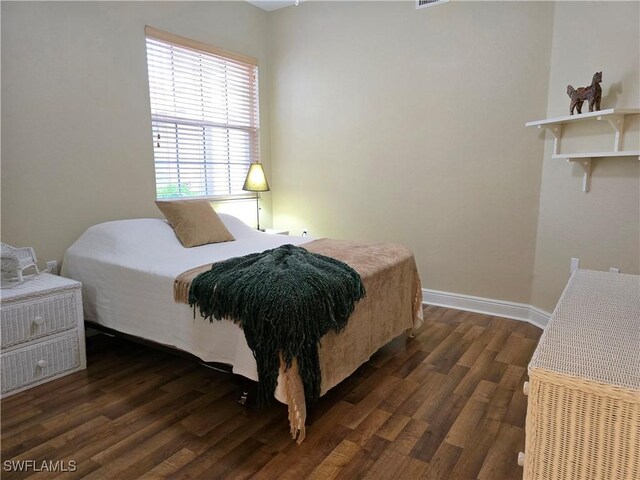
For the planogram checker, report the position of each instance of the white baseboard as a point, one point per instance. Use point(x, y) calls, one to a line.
point(487, 306)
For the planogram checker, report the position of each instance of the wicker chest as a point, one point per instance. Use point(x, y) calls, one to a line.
point(42, 332)
point(583, 413)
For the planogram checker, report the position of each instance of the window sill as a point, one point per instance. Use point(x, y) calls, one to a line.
point(211, 198)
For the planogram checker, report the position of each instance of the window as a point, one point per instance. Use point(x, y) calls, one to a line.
point(205, 118)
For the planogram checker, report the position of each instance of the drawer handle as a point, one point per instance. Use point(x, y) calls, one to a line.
point(525, 388)
point(42, 363)
point(38, 320)
point(521, 459)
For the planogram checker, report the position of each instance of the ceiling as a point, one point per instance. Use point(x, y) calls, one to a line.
point(270, 5)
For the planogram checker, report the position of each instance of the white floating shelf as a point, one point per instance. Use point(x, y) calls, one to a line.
point(624, 153)
point(613, 116)
point(584, 116)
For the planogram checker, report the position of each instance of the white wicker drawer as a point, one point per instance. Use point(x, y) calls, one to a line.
point(38, 362)
point(34, 318)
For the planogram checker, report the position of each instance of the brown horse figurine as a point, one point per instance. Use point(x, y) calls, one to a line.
point(592, 94)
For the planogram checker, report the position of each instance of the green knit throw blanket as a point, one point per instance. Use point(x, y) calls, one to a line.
point(285, 299)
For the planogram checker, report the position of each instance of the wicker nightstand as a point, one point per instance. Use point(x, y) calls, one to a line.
point(42, 332)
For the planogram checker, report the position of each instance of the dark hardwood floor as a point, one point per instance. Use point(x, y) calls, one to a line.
point(447, 404)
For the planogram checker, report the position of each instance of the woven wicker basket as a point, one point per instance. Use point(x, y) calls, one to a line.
point(583, 415)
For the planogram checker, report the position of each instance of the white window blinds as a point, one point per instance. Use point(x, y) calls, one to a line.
point(205, 118)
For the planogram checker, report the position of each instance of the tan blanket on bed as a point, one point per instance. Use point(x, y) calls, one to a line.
point(393, 305)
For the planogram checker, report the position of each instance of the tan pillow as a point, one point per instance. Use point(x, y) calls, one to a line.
point(194, 221)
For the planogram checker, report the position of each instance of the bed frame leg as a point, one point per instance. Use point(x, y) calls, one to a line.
point(244, 399)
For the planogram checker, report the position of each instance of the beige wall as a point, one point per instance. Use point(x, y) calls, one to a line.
point(601, 227)
point(391, 123)
point(76, 124)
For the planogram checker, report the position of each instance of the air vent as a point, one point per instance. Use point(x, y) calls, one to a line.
point(429, 3)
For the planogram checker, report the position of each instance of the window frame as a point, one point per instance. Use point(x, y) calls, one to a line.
point(253, 132)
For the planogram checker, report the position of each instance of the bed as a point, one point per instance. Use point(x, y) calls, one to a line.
point(128, 267)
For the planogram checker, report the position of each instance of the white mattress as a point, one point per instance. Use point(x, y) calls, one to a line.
point(127, 269)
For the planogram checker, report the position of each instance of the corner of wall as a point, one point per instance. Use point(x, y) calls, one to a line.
point(600, 227)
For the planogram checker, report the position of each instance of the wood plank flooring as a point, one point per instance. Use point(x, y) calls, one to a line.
point(447, 404)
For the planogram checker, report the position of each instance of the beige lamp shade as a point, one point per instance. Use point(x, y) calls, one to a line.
point(256, 180)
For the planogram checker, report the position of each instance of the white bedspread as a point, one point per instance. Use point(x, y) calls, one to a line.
point(127, 269)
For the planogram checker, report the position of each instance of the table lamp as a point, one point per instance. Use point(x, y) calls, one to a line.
point(256, 181)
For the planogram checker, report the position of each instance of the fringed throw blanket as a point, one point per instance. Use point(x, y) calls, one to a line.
point(393, 304)
point(285, 299)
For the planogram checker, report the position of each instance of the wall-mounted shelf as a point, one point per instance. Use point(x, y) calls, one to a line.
point(613, 116)
point(623, 153)
point(584, 116)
